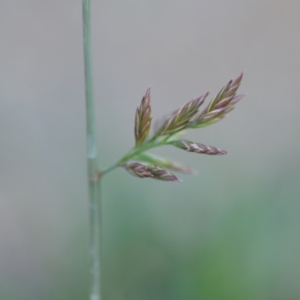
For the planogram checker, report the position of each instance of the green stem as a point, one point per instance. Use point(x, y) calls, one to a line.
point(94, 179)
point(131, 154)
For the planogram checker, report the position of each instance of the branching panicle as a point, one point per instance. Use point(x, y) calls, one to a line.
point(170, 130)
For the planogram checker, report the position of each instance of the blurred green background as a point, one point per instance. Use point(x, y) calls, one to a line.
point(232, 232)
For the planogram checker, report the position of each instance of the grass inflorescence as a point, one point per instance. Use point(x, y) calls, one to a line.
point(144, 164)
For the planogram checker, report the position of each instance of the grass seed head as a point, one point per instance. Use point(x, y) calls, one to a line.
point(169, 132)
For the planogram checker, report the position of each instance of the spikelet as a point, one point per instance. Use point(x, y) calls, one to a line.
point(143, 119)
point(197, 147)
point(181, 117)
point(138, 170)
point(220, 105)
point(162, 174)
point(145, 171)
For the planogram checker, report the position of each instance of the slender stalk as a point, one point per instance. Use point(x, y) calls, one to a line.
point(94, 179)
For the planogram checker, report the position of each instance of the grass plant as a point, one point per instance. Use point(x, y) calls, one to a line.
point(139, 161)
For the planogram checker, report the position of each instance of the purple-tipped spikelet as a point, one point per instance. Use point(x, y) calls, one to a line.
point(162, 174)
point(197, 147)
point(220, 105)
point(181, 117)
point(146, 171)
point(138, 170)
point(143, 119)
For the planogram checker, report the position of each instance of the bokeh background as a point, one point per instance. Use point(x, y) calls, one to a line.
point(232, 232)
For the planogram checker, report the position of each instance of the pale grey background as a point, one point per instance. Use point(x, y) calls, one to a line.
point(183, 49)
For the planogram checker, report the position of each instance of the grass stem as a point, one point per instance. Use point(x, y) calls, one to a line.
point(92, 149)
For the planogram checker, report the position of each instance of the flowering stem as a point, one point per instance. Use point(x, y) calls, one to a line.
point(94, 179)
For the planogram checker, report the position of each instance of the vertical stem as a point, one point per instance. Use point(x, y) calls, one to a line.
point(94, 180)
